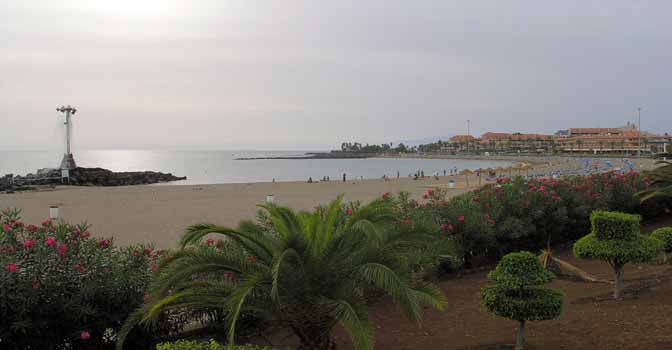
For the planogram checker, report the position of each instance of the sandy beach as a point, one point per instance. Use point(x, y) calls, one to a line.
point(158, 214)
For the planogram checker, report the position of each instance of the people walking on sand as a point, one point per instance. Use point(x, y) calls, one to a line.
point(310, 180)
point(397, 174)
point(444, 172)
point(344, 177)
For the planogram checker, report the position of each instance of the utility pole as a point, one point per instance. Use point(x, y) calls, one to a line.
point(468, 133)
point(68, 160)
point(639, 132)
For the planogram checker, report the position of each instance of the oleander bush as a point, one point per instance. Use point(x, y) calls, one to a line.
point(616, 239)
point(518, 214)
point(60, 288)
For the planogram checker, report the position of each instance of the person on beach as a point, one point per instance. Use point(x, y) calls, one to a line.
point(344, 178)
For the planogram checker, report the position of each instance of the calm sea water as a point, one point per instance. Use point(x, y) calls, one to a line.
point(212, 167)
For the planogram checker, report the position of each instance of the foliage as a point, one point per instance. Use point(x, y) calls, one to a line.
point(519, 270)
point(613, 240)
point(637, 249)
point(60, 287)
point(518, 291)
point(210, 345)
point(661, 183)
point(518, 214)
point(664, 235)
point(305, 271)
point(614, 225)
point(617, 241)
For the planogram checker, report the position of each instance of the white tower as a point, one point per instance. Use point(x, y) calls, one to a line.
point(68, 160)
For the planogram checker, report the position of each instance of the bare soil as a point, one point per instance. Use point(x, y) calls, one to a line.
point(591, 318)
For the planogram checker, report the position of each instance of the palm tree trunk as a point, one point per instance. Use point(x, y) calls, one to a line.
point(314, 338)
point(520, 338)
point(618, 283)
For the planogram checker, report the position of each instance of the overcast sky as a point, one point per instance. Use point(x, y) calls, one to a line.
point(306, 74)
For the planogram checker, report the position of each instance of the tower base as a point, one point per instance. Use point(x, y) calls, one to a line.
point(68, 162)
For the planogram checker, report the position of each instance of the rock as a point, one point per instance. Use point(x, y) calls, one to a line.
point(85, 177)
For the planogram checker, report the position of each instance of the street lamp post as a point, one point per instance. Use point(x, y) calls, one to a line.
point(68, 160)
point(468, 133)
point(639, 132)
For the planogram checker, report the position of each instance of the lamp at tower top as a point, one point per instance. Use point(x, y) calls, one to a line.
point(67, 109)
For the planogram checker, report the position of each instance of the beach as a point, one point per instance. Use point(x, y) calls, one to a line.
point(159, 214)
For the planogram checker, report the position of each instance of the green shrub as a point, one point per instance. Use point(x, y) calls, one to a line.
point(664, 235)
point(210, 345)
point(302, 271)
point(518, 292)
point(617, 241)
point(614, 225)
point(60, 288)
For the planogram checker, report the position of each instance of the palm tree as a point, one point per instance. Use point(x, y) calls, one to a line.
point(305, 272)
point(661, 182)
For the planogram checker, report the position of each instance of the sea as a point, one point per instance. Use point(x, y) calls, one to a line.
point(221, 166)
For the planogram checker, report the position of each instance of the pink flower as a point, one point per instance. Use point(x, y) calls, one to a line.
point(444, 227)
point(6, 228)
point(227, 274)
point(349, 212)
point(425, 196)
point(460, 218)
point(451, 228)
point(11, 267)
point(386, 195)
point(46, 223)
point(32, 228)
point(210, 241)
point(18, 224)
point(84, 335)
point(51, 241)
point(79, 267)
point(104, 243)
point(28, 243)
point(148, 251)
point(62, 249)
point(219, 243)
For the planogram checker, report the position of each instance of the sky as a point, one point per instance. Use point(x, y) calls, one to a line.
point(306, 74)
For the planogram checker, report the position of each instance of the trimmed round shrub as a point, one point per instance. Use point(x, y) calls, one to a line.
point(614, 225)
point(616, 240)
point(518, 292)
point(665, 236)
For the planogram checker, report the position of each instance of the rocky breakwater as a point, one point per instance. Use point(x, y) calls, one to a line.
point(84, 177)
